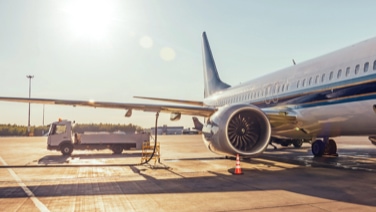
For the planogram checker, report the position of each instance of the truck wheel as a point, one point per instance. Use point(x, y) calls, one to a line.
point(117, 149)
point(66, 149)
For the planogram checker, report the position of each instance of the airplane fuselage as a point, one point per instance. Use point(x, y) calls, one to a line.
point(331, 95)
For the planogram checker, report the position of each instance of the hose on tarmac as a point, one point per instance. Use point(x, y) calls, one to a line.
point(155, 141)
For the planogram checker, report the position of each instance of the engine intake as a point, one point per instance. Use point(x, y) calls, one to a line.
point(237, 129)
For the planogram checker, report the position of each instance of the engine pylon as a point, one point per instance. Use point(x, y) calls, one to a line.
point(238, 170)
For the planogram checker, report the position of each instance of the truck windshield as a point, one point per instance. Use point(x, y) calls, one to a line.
point(57, 129)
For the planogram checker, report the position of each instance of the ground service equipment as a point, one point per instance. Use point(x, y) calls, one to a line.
point(62, 138)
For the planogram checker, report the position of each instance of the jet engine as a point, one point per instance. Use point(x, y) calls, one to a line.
point(237, 129)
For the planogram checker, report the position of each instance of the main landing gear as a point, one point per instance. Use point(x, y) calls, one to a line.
point(324, 147)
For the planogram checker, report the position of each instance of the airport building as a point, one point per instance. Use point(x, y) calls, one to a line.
point(165, 130)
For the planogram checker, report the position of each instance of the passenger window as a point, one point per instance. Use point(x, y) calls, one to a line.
point(356, 69)
point(303, 83)
point(317, 79)
point(331, 75)
point(283, 87)
point(366, 67)
point(339, 73)
point(310, 81)
point(322, 77)
point(374, 65)
point(347, 71)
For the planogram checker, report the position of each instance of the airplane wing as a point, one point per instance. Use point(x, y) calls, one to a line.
point(277, 117)
point(186, 110)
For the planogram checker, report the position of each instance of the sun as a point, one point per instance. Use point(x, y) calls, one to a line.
point(89, 19)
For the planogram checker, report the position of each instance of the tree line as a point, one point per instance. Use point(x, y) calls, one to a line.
point(20, 130)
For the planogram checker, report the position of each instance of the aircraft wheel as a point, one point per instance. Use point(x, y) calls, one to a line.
point(297, 143)
point(66, 149)
point(117, 149)
point(330, 147)
point(285, 143)
point(318, 148)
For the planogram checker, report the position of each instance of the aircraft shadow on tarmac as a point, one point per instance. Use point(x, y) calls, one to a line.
point(338, 185)
point(65, 159)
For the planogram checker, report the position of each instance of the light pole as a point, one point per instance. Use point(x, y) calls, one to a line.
point(43, 121)
point(28, 121)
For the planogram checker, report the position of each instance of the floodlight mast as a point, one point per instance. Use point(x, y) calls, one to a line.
point(28, 120)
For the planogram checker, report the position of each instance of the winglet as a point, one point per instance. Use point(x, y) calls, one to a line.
point(212, 81)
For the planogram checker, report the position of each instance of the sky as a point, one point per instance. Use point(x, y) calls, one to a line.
point(114, 50)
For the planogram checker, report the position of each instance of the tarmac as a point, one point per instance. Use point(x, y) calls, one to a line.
point(188, 177)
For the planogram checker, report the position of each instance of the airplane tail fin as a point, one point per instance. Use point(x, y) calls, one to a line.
point(197, 123)
point(212, 81)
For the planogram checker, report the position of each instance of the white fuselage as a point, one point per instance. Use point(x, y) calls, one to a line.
point(331, 95)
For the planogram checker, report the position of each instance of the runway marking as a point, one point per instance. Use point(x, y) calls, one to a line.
point(28, 192)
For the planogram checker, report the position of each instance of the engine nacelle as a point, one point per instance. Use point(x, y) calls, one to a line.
point(237, 129)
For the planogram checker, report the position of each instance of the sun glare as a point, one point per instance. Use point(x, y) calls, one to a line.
point(167, 54)
point(89, 19)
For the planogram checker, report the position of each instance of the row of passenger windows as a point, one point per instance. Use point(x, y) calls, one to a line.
point(317, 79)
point(259, 93)
point(271, 90)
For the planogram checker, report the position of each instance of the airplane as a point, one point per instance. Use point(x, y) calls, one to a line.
point(316, 100)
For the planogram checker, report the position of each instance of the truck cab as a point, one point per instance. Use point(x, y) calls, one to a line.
point(60, 137)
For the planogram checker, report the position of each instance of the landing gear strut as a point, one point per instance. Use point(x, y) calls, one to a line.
point(326, 147)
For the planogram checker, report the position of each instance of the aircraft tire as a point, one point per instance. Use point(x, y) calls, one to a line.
point(331, 147)
point(318, 148)
point(285, 143)
point(297, 143)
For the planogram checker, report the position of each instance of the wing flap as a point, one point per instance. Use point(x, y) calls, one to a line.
point(188, 102)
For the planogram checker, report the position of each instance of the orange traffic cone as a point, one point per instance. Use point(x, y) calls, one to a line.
point(238, 170)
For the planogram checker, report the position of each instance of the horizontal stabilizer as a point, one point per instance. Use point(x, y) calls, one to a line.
point(198, 125)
